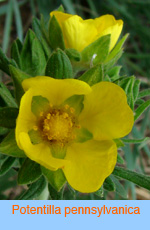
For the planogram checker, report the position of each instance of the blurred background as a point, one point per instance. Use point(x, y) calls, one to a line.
point(16, 18)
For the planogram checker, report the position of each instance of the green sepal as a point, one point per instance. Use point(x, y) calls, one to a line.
point(93, 75)
point(6, 166)
point(54, 195)
point(73, 54)
point(39, 104)
point(59, 66)
point(32, 55)
point(8, 117)
point(15, 52)
point(97, 51)
point(61, 8)
point(6, 96)
point(18, 76)
point(83, 135)
point(29, 172)
point(137, 178)
point(55, 34)
point(75, 101)
point(55, 178)
point(115, 53)
point(109, 184)
point(35, 137)
point(35, 190)
point(119, 143)
point(9, 146)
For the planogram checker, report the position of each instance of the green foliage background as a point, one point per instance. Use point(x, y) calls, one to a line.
point(135, 60)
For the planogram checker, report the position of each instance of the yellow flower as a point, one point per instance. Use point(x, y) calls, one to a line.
point(76, 125)
point(79, 33)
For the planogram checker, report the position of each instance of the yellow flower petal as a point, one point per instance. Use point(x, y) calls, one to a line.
point(106, 113)
point(60, 16)
point(89, 164)
point(78, 33)
point(26, 120)
point(107, 24)
point(56, 90)
point(40, 153)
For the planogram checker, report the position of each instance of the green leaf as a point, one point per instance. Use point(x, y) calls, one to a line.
point(119, 188)
point(97, 51)
point(6, 166)
point(141, 109)
point(139, 101)
point(109, 184)
point(3, 131)
point(136, 141)
point(4, 62)
point(130, 96)
point(128, 84)
point(39, 104)
point(55, 178)
point(18, 20)
point(73, 54)
point(120, 160)
point(41, 36)
point(8, 24)
point(29, 172)
point(136, 89)
point(144, 93)
point(93, 75)
point(55, 34)
point(9, 146)
point(100, 192)
point(34, 190)
point(137, 178)
point(6, 96)
point(38, 58)
point(32, 55)
point(15, 52)
point(59, 66)
point(18, 76)
point(8, 117)
point(113, 73)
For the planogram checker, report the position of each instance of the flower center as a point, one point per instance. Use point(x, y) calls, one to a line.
point(58, 125)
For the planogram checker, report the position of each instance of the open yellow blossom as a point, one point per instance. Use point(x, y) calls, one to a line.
point(75, 126)
point(79, 33)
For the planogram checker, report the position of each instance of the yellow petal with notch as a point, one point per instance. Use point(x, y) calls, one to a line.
point(89, 164)
point(106, 113)
point(56, 90)
point(40, 153)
